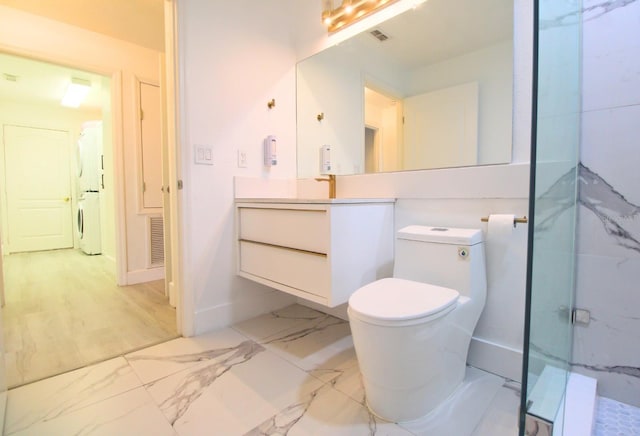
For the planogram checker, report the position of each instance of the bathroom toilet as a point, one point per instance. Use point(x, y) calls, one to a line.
point(411, 332)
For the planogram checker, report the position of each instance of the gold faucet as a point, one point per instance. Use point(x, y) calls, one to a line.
point(332, 184)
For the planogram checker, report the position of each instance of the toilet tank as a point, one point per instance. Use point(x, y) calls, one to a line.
point(443, 256)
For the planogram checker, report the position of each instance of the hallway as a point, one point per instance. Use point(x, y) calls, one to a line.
point(63, 311)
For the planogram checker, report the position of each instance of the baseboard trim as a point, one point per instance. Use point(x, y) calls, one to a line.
point(172, 294)
point(113, 266)
point(145, 275)
point(496, 358)
point(227, 314)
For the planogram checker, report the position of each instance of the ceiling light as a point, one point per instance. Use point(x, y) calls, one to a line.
point(348, 6)
point(343, 27)
point(76, 92)
point(350, 11)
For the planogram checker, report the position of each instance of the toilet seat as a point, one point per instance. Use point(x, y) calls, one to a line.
point(400, 302)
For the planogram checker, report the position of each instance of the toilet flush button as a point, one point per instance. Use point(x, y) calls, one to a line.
point(463, 252)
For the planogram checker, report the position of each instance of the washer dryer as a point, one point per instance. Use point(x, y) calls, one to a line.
point(89, 223)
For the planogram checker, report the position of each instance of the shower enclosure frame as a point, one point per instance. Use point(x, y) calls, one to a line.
point(550, 280)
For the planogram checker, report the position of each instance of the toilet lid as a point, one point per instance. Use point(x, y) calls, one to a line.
point(394, 299)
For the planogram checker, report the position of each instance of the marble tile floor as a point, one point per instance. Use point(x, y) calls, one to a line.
point(293, 371)
point(64, 311)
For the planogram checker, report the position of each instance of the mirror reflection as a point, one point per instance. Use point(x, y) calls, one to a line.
point(430, 88)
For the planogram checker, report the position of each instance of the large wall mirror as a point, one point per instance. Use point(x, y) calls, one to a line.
point(430, 88)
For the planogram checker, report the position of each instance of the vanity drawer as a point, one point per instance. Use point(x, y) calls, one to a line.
point(304, 229)
point(308, 272)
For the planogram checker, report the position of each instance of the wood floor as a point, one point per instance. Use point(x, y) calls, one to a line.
point(63, 311)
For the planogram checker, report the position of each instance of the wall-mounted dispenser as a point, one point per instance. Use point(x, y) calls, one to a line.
point(325, 159)
point(270, 152)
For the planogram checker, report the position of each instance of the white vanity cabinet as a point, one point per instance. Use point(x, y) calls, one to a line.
point(319, 250)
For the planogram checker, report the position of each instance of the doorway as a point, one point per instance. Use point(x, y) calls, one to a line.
point(64, 309)
point(383, 114)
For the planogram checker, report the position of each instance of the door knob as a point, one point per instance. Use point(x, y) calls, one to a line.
point(66, 199)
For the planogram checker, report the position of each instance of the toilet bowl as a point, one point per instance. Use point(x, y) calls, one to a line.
point(411, 332)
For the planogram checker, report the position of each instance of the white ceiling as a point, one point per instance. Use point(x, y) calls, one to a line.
point(443, 29)
point(137, 21)
point(43, 83)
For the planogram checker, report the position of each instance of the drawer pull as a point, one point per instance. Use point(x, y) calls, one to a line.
point(297, 209)
point(314, 253)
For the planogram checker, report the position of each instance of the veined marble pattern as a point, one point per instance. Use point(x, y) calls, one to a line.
point(608, 237)
point(608, 261)
point(326, 411)
point(49, 399)
point(293, 371)
point(132, 413)
point(611, 41)
point(614, 214)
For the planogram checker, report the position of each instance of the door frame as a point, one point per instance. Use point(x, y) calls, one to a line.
point(174, 84)
point(185, 318)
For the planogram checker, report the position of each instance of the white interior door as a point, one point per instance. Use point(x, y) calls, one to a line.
point(38, 189)
point(151, 141)
point(441, 128)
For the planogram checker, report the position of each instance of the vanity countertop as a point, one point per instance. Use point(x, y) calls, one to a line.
point(315, 200)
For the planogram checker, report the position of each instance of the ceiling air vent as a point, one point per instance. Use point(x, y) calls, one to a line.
point(379, 35)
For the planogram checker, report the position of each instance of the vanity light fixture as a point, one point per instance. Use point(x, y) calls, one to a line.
point(327, 9)
point(352, 11)
point(349, 12)
point(76, 92)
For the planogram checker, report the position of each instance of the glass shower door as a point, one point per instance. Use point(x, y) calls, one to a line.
point(553, 202)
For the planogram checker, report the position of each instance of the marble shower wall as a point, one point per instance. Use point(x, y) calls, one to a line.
point(608, 232)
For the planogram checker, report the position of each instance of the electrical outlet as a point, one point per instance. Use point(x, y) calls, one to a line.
point(242, 159)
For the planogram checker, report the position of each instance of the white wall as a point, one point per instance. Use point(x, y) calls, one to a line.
point(44, 116)
point(337, 94)
point(608, 231)
point(52, 41)
point(492, 68)
point(235, 56)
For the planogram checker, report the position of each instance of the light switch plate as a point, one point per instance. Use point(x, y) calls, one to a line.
point(242, 159)
point(203, 154)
